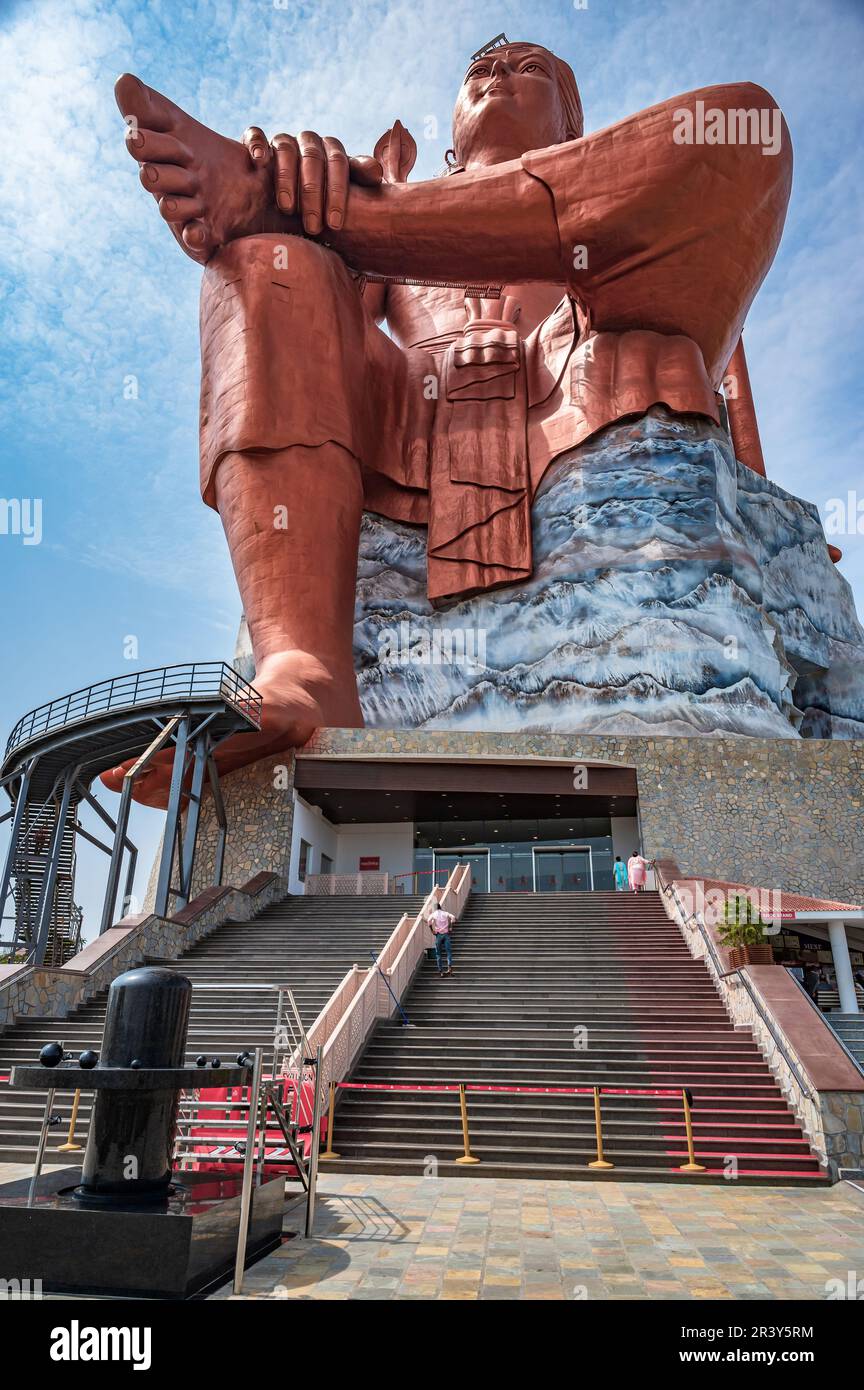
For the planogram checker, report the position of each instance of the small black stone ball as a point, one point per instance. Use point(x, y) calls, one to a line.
point(135, 1063)
point(217, 1062)
point(88, 1058)
point(243, 1059)
point(201, 1061)
point(51, 1054)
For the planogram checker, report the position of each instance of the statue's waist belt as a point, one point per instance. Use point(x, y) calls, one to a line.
point(483, 361)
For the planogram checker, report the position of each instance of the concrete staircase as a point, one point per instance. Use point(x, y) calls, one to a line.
point(850, 1030)
point(828, 1000)
point(305, 943)
point(530, 972)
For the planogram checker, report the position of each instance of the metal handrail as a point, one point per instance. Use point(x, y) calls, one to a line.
point(184, 680)
point(671, 891)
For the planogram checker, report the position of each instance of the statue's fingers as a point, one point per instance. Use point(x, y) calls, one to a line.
point(258, 146)
point(364, 169)
point(313, 172)
point(151, 145)
point(337, 181)
point(143, 107)
point(181, 209)
point(198, 241)
point(168, 178)
point(287, 153)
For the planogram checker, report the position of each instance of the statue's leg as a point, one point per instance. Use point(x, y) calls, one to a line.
point(291, 403)
point(292, 522)
point(295, 392)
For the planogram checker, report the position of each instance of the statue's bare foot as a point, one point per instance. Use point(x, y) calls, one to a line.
point(299, 696)
point(209, 189)
point(212, 190)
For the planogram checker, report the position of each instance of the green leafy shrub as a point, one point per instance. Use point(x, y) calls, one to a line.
point(742, 925)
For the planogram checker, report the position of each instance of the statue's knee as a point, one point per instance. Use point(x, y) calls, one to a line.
point(272, 254)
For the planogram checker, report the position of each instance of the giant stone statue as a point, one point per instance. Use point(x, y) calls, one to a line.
point(552, 286)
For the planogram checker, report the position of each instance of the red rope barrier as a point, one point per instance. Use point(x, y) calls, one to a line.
point(382, 1086)
point(512, 1090)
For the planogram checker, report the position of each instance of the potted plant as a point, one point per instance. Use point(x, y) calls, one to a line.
point(742, 933)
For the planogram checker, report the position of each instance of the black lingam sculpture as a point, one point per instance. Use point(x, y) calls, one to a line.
point(125, 1223)
point(131, 1138)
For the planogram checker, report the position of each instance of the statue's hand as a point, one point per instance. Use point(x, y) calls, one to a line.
point(210, 190)
point(312, 177)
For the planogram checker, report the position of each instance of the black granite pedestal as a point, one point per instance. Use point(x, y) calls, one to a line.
point(176, 1249)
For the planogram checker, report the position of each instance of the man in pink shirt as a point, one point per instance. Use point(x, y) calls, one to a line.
point(440, 924)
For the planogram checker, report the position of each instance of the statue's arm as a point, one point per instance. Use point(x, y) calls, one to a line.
point(490, 223)
point(649, 229)
point(212, 190)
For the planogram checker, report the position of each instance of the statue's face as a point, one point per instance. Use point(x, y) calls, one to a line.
point(508, 103)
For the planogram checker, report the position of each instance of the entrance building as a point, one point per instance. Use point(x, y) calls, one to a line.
point(525, 827)
point(531, 861)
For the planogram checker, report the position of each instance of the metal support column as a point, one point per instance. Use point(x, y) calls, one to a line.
point(46, 897)
point(221, 818)
point(14, 832)
point(187, 861)
point(114, 867)
point(315, 1146)
point(172, 818)
point(130, 880)
point(121, 839)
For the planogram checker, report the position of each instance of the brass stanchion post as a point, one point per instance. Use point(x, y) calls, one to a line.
point(599, 1161)
point(691, 1166)
point(330, 1152)
point(70, 1146)
point(467, 1156)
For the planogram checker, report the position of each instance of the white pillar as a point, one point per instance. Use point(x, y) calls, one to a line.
point(843, 967)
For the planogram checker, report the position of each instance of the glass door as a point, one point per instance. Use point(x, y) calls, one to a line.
point(447, 859)
point(564, 870)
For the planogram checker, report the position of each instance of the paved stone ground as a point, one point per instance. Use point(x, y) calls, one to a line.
point(463, 1238)
point(458, 1238)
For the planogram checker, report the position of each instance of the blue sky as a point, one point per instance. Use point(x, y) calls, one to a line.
point(94, 291)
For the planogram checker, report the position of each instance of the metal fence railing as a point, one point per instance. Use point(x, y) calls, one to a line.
point(197, 680)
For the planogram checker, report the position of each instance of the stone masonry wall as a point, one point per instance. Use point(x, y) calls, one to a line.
point(259, 808)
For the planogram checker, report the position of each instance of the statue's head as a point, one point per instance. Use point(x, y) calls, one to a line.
point(515, 98)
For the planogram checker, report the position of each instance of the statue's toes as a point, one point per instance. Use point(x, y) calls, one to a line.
point(147, 108)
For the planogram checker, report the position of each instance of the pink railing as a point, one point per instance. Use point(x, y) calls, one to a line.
point(362, 999)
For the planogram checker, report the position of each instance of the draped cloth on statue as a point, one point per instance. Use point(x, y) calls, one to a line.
point(291, 356)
